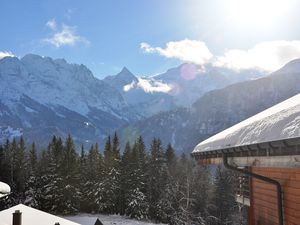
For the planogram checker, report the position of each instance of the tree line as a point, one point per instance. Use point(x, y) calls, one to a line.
point(153, 184)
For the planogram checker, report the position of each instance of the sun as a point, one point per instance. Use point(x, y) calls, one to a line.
point(257, 12)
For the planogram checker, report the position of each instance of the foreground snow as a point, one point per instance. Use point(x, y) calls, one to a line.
point(87, 219)
point(281, 121)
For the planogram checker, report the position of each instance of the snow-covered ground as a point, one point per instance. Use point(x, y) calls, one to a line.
point(87, 219)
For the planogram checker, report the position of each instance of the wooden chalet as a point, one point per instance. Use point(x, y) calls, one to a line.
point(265, 150)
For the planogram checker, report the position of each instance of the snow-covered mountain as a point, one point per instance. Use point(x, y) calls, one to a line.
point(45, 97)
point(178, 87)
point(218, 109)
point(55, 82)
point(146, 96)
point(41, 96)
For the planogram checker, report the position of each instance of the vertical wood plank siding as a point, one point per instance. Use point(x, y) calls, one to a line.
point(264, 200)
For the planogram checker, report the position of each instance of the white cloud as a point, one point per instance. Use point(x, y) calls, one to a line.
point(65, 37)
point(5, 54)
point(186, 50)
point(148, 85)
point(265, 56)
point(51, 24)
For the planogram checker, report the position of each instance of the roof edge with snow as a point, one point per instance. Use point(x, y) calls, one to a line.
point(274, 131)
point(282, 147)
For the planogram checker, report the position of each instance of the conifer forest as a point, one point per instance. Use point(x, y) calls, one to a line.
point(146, 184)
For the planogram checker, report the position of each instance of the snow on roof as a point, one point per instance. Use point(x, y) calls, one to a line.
point(4, 189)
point(31, 216)
point(279, 122)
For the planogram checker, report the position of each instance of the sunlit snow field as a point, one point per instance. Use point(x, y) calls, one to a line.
point(87, 219)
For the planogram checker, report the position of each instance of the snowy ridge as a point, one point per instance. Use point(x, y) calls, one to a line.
point(55, 82)
point(281, 121)
point(41, 96)
point(31, 216)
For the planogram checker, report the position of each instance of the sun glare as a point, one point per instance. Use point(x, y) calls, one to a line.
point(257, 12)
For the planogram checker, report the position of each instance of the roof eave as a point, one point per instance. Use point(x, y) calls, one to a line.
point(271, 148)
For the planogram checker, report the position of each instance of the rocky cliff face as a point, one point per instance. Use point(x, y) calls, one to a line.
point(46, 97)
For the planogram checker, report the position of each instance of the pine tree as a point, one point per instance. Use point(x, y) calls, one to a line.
point(93, 189)
point(137, 202)
point(108, 155)
point(70, 176)
point(32, 192)
point(142, 163)
point(50, 183)
point(201, 195)
point(185, 177)
point(18, 176)
point(110, 197)
point(224, 198)
point(157, 181)
point(116, 147)
point(125, 178)
point(83, 180)
point(137, 205)
point(170, 155)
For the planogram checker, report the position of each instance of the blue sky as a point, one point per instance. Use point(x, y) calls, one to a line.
point(150, 36)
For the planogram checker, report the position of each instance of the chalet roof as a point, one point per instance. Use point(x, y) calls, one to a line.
point(279, 122)
point(31, 216)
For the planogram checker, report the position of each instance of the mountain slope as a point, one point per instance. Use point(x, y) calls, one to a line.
point(56, 82)
point(45, 97)
point(218, 109)
point(178, 87)
point(40, 97)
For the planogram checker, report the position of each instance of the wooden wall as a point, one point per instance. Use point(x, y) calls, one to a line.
point(264, 209)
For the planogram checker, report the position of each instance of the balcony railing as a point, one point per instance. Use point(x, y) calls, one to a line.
point(242, 190)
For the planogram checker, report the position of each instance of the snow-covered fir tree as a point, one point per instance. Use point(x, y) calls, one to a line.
point(141, 184)
point(32, 192)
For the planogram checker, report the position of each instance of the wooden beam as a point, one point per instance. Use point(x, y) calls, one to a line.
point(210, 161)
point(267, 161)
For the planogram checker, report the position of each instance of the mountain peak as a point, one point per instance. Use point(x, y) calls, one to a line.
point(121, 79)
point(125, 70)
point(31, 56)
point(125, 74)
